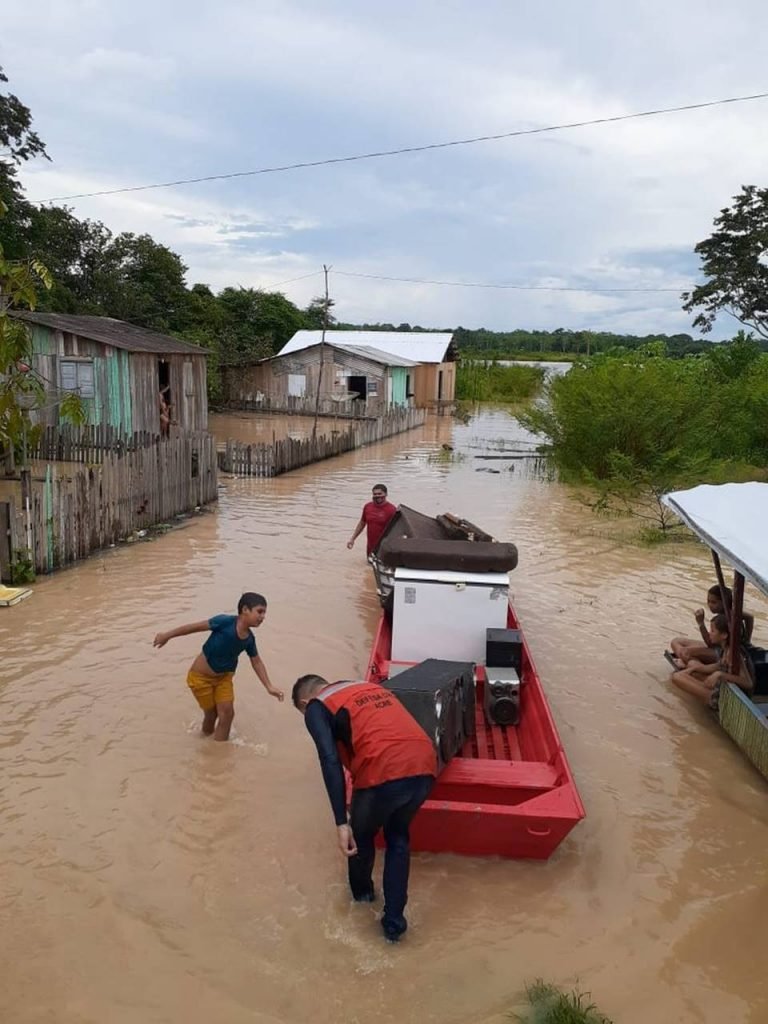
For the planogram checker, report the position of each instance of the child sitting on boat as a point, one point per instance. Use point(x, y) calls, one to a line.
point(703, 679)
point(683, 649)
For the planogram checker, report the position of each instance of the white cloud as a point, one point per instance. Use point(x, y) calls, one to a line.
point(247, 85)
point(124, 64)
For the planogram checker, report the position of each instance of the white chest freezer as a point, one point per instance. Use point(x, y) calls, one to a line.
point(442, 614)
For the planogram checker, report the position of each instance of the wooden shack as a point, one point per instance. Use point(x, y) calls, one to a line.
point(347, 374)
point(119, 371)
point(431, 358)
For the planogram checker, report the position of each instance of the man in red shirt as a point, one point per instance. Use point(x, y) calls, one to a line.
point(364, 728)
point(376, 516)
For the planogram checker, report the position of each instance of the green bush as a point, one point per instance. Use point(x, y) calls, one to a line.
point(645, 417)
point(22, 569)
point(491, 382)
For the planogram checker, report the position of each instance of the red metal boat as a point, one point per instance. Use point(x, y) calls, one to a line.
point(510, 791)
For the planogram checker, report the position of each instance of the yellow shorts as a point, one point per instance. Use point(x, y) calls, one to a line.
point(211, 690)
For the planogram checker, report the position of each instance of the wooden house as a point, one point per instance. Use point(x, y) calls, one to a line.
point(431, 373)
point(348, 374)
point(119, 371)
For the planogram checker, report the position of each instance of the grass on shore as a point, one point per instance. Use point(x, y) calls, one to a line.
point(547, 1004)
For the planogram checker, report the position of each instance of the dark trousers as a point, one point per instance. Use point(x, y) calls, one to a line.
point(390, 806)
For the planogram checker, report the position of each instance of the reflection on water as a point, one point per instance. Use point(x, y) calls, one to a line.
point(151, 876)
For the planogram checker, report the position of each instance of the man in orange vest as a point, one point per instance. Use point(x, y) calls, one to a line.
point(364, 728)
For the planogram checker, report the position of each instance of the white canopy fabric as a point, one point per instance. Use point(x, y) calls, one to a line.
point(732, 519)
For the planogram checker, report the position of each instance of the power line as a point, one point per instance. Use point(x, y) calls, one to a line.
point(508, 287)
point(292, 279)
point(408, 149)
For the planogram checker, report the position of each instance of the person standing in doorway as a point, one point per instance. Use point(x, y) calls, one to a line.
point(376, 517)
point(165, 411)
point(364, 728)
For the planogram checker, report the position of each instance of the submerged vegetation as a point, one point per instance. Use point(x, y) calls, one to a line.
point(485, 381)
point(636, 425)
point(549, 1005)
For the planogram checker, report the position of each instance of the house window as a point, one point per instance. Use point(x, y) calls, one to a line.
point(77, 375)
point(297, 385)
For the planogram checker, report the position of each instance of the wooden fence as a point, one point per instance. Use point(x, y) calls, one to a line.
point(76, 510)
point(295, 406)
point(282, 456)
point(90, 444)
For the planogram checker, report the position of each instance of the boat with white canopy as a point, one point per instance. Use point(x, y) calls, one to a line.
point(732, 520)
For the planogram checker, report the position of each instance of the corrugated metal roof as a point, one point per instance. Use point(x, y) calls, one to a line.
point(374, 354)
point(420, 347)
point(117, 333)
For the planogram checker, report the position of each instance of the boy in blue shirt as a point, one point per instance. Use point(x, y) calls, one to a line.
point(211, 674)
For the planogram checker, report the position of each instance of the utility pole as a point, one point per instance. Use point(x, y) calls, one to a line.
point(322, 353)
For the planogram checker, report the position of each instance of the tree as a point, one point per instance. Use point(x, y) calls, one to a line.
point(735, 262)
point(202, 323)
point(318, 314)
point(255, 324)
point(138, 280)
point(21, 389)
point(75, 252)
point(18, 143)
point(16, 136)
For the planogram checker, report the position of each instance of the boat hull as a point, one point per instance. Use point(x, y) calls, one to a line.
point(745, 722)
point(511, 792)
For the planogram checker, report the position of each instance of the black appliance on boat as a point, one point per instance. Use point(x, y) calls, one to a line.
point(441, 697)
point(504, 648)
point(504, 666)
point(501, 697)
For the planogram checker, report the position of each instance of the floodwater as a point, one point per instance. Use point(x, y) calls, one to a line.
point(264, 429)
point(150, 876)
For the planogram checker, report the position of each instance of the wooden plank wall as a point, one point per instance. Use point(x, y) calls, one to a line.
point(189, 396)
point(282, 456)
point(425, 384)
point(127, 384)
point(77, 510)
point(242, 384)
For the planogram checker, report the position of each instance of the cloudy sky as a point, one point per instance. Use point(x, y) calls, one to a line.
point(128, 94)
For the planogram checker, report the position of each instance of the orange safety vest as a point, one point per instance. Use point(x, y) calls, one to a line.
point(387, 742)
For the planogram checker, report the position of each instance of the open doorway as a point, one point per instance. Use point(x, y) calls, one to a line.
point(164, 403)
point(360, 386)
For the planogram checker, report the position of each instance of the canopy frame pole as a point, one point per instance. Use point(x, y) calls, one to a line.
point(721, 580)
point(737, 613)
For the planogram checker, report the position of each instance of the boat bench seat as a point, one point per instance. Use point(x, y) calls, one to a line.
point(466, 771)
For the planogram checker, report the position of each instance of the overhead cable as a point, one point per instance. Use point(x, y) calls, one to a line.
point(378, 154)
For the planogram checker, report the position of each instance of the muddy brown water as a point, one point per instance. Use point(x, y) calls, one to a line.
point(153, 877)
point(252, 429)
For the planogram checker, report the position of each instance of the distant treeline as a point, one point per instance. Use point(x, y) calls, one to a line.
point(559, 342)
point(562, 341)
